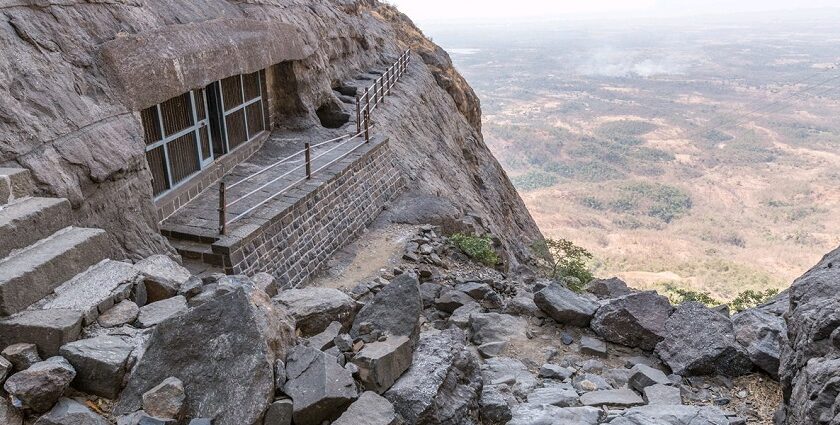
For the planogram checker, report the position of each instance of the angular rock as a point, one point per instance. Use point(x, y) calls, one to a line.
point(100, 363)
point(266, 283)
point(510, 371)
point(369, 409)
point(560, 395)
point(762, 334)
point(382, 363)
point(495, 404)
point(159, 311)
point(70, 412)
point(429, 291)
point(315, 308)
point(21, 355)
point(553, 371)
point(492, 349)
point(279, 413)
point(660, 394)
point(531, 414)
point(394, 310)
point(40, 386)
point(9, 414)
point(223, 351)
point(162, 276)
point(461, 316)
point(523, 305)
point(565, 306)
point(699, 341)
point(165, 400)
point(450, 299)
point(672, 415)
point(319, 387)
point(48, 329)
point(593, 346)
point(5, 369)
point(442, 384)
point(95, 290)
point(635, 320)
point(643, 376)
point(588, 382)
point(123, 313)
point(495, 327)
point(325, 340)
point(613, 398)
point(608, 288)
point(143, 418)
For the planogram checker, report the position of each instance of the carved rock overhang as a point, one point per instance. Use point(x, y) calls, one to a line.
point(151, 67)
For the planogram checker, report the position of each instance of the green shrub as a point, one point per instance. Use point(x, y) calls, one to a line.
point(534, 180)
point(750, 299)
point(745, 300)
point(478, 248)
point(561, 259)
point(680, 295)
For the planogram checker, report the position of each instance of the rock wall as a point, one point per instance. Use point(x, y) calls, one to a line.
point(64, 114)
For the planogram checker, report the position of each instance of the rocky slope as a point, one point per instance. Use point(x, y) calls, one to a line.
point(67, 120)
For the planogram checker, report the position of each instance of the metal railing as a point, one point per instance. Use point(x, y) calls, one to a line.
point(366, 104)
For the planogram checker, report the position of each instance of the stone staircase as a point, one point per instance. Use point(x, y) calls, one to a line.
point(54, 277)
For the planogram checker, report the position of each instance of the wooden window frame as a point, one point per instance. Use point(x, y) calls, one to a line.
point(244, 108)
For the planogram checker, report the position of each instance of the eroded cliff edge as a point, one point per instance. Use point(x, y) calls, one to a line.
point(66, 118)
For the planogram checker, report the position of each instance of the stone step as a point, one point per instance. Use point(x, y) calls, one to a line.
point(28, 220)
point(14, 184)
point(32, 273)
point(198, 251)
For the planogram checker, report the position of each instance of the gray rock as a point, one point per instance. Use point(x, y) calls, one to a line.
point(48, 329)
point(450, 299)
point(429, 291)
point(565, 306)
point(266, 283)
point(461, 316)
point(279, 374)
point(223, 351)
point(143, 418)
point(608, 288)
point(344, 343)
point(70, 412)
point(162, 276)
point(395, 310)
point(442, 384)
point(279, 413)
point(588, 382)
point(523, 305)
point(492, 349)
point(9, 414)
point(21, 355)
point(192, 287)
point(614, 398)
point(319, 387)
point(660, 394)
point(166, 400)
point(643, 376)
point(123, 313)
point(315, 308)
point(560, 395)
point(201, 421)
point(553, 371)
point(699, 341)
point(101, 364)
point(617, 378)
point(40, 386)
point(5, 369)
point(495, 327)
point(510, 371)
point(159, 311)
point(531, 414)
point(495, 404)
point(369, 409)
point(593, 346)
point(672, 415)
point(382, 363)
point(635, 320)
point(326, 339)
point(762, 333)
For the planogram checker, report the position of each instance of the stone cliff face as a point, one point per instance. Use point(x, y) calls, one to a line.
point(69, 118)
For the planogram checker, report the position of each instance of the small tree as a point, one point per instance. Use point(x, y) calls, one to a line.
point(559, 258)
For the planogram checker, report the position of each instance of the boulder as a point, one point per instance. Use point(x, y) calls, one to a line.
point(279, 413)
point(223, 351)
point(5, 369)
point(39, 387)
point(315, 308)
point(461, 316)
point(450, 299)
point(660, 394)
point(593, 346)
point(70, 412)
point(523, 305)
point(560, 395)
point(541, 414)
point(100, 364)
point(672, 415)
point(381, 363)
point(159, 311)
point(143, 418)
point(442, 385)
point(699, 341)
point(608, 288)
point(165, 400)
point(505, 370)
point(553, 371)
point(643, 376)
point(326, 339)
point(369, 409)
point(429, 291)
point(9, 414)
point(635, 320)
point(21, 355)
point(494, 327)
point(123, 313)
point(162, 276)
point(266, 282)
point(394, 310)
point(495, 404)
point(47, 329)
point(319, 387)
point(762, 333)
point(613, 398)
point(565, 306)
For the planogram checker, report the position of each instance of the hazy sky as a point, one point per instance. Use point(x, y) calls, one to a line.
point(436, 10)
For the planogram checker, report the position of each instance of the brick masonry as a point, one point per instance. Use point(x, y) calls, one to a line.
point(326, 216)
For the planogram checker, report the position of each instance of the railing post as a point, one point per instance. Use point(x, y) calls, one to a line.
point(308, 162)
point(382, 86)
point(367, 127)
point(222, 207)
point(358, 115)
point(367, 104)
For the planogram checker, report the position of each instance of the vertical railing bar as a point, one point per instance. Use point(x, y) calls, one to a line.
point(308, 162)
point(367, 127)
point(222, 209)
point(358, 115)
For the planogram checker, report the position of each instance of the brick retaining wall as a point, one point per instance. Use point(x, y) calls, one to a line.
point(324, 217)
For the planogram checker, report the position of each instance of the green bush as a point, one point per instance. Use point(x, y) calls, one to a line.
point(478, 248)
point(750, 299)
point(745, 300)
point(534, 180)
point(561, 259)
point(680, 295)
